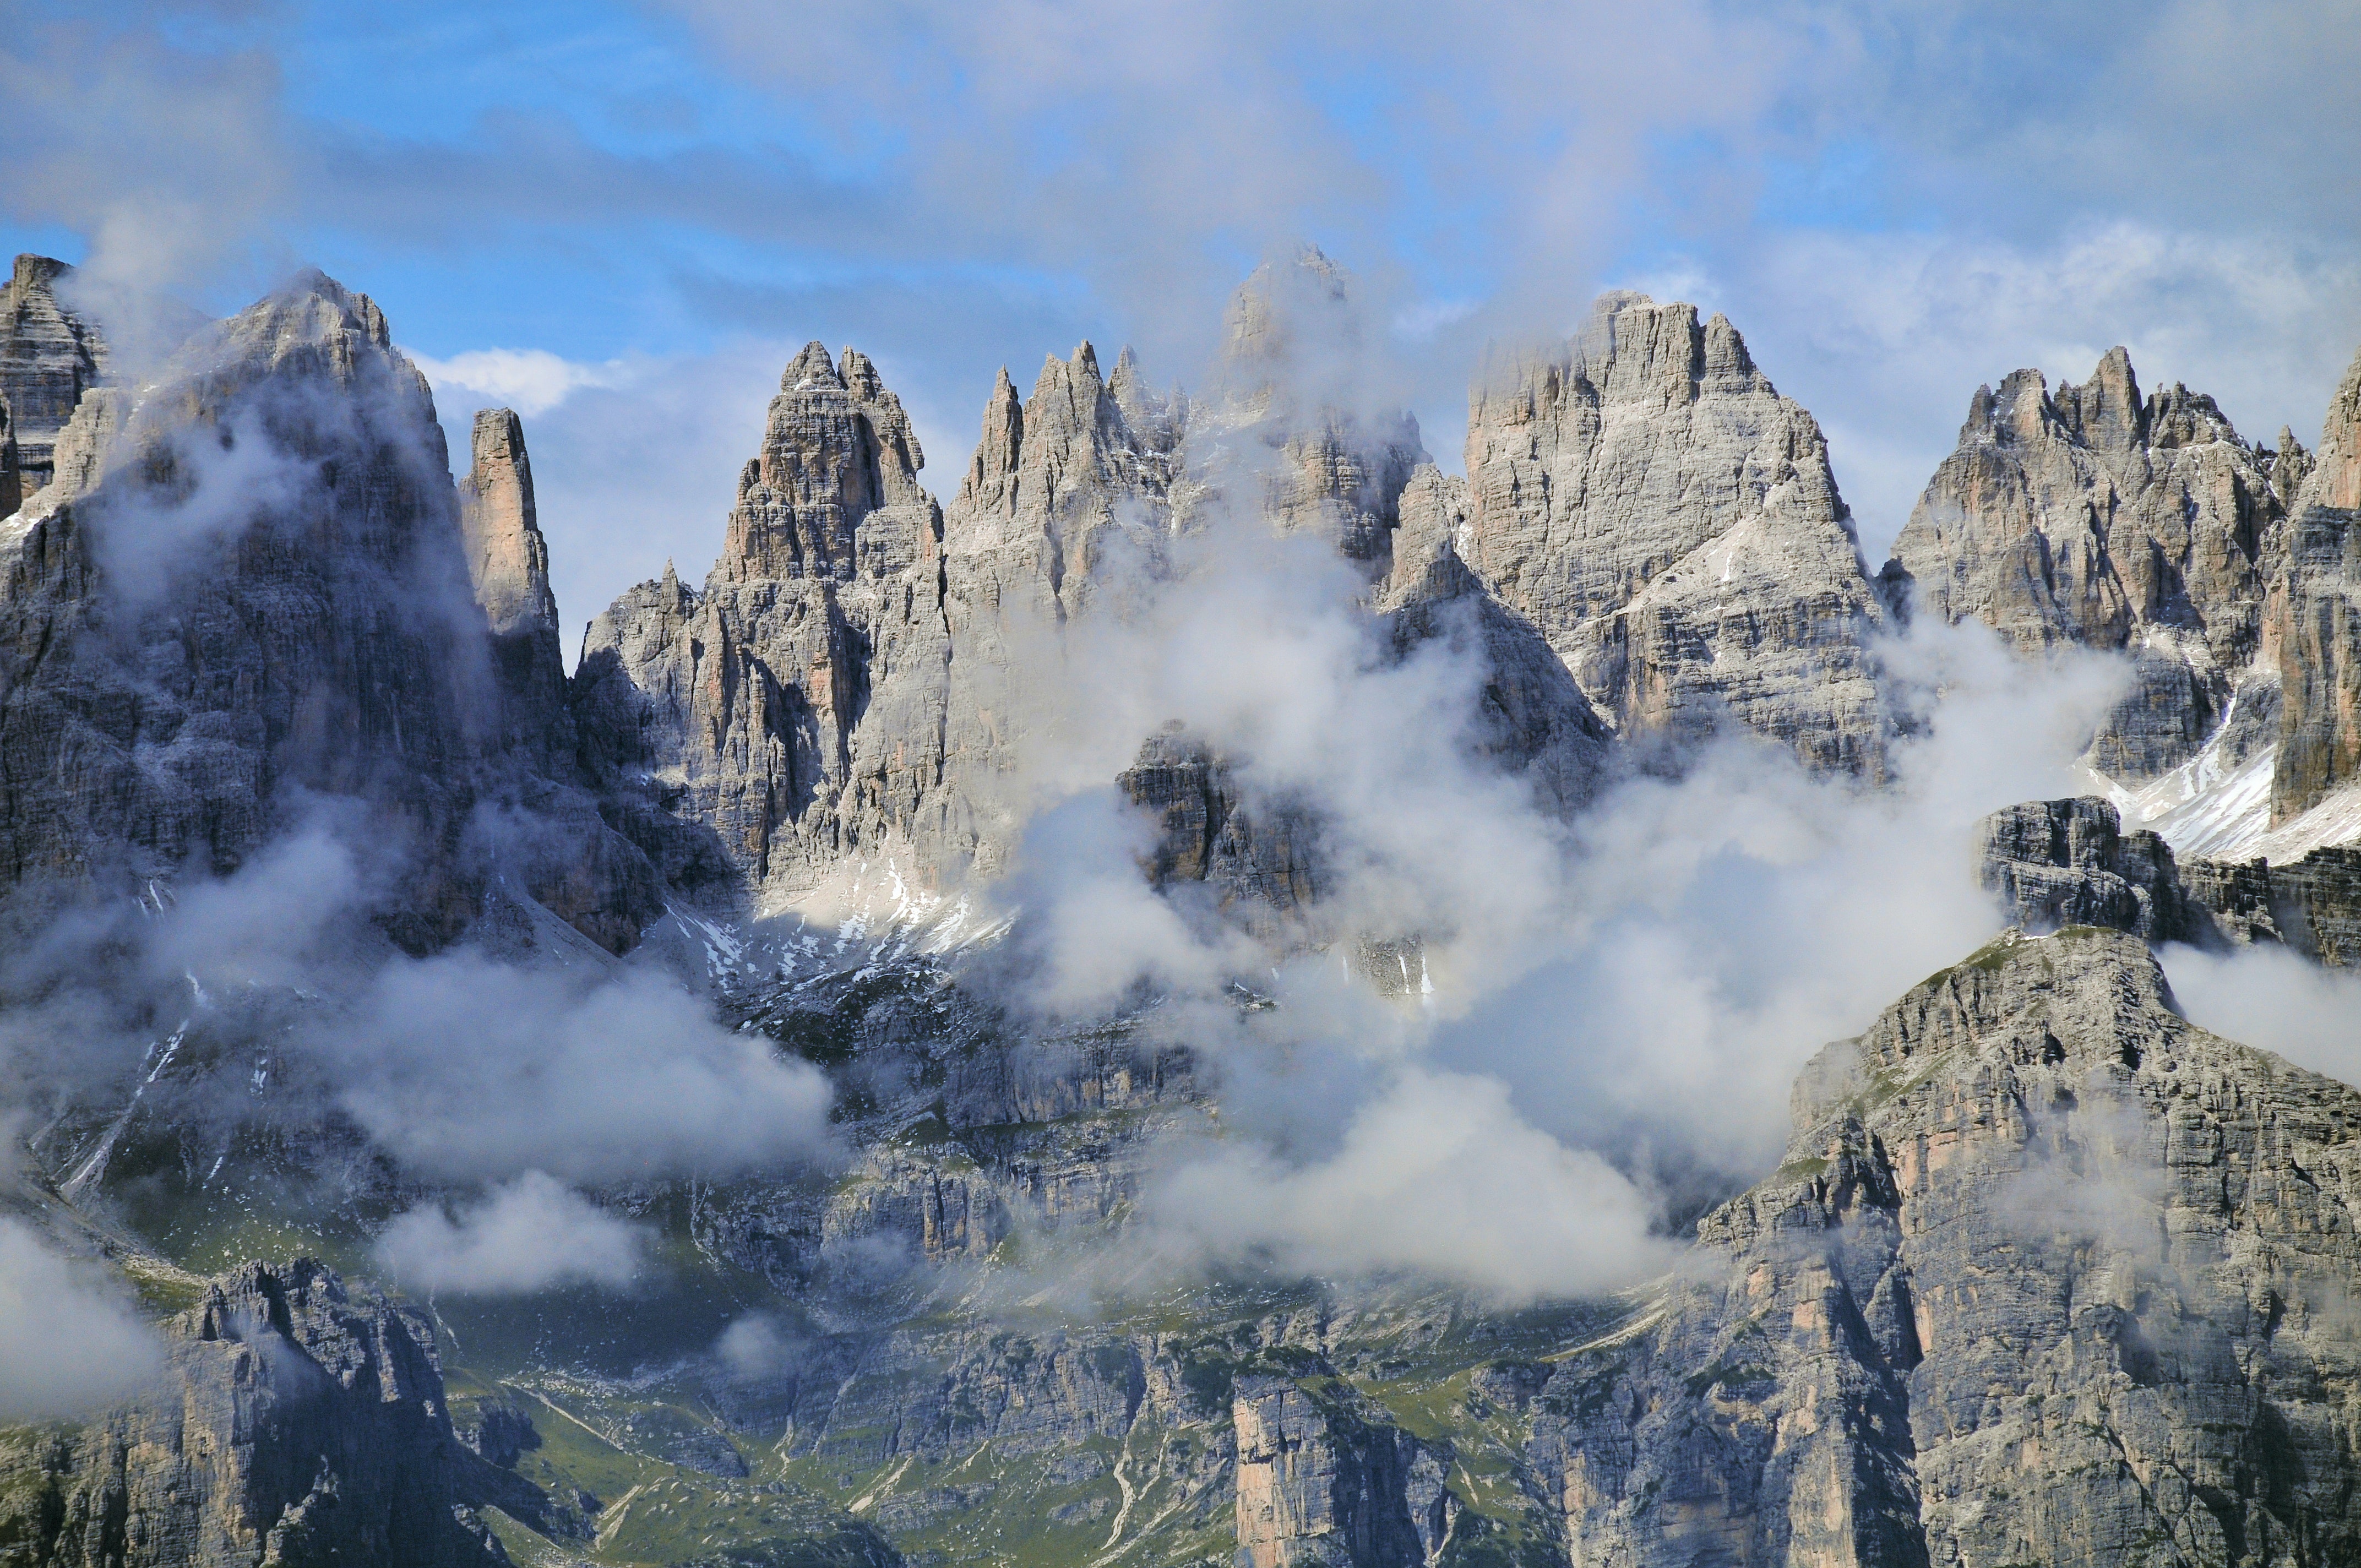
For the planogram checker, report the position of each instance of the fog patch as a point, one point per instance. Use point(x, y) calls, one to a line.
point(69, 1345)
point(467, 1070)
point(1438, 1175)
point(532, 1233)
point(756, 1346)
point(2269, 997)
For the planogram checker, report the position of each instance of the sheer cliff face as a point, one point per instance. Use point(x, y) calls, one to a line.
point(2093, 517)
point(2051, 1275)
point(2320, 636)
point(252, 582)
point(1669, 521)
point(50, 355)
point(249, 587)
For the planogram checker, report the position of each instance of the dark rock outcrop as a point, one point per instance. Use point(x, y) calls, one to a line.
point(2069, 863)
point(2312, 905)
point(1259, 865)
point(2057, 863)
point(2050, 1276)
point(302, 1424)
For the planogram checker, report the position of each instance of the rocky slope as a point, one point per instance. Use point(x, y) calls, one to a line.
point(1649, 500)
point(2051, 1275)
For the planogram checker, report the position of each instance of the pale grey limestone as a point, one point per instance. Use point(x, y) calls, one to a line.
point(1648, 499)
point(2318, 630)
point(50, 355)
point(2050, 1276)
point(2092, 517)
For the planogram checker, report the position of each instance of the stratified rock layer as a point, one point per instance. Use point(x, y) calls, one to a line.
point(1670, 522)
point(50, 355)
point(2050, 1276)
point(2069, 863)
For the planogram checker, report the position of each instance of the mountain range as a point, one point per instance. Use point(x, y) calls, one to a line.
point(734, 1099)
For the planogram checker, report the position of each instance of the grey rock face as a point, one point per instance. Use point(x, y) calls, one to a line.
point(252, 590)
point(1669, 521)
point(2038, 1282)
point(2069, 863)
point(1535, 719)
point(2091, 516)
point(741, 709)
point(301, 1425)
point(2312, 905)
point(2320, 638)
point(12, 488)
point(1323, 1478)
point(50, 355)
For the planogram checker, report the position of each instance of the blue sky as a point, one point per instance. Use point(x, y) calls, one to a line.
point(623, 217)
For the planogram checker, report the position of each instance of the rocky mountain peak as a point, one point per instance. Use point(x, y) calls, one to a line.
point(837, 448)
point(2095, 515)
point(1630, 488)
point(811, 368)
point(1151, 419)
point(2338, 461)
point(1634, 350)
point(2105, 411)
point(1285, 309)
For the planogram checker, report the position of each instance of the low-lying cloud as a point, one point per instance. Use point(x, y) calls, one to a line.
point(532, 1233)
point(69, 1345)
point(1437, 1175)
point(466, 1069)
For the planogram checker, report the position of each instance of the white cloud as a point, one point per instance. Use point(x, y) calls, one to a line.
point(469, 1070)
point(2269, 997)
point(757, 1345)
point(533, 1233)
point(68, 1344)
point(530, 380)
point(1438, 1175)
